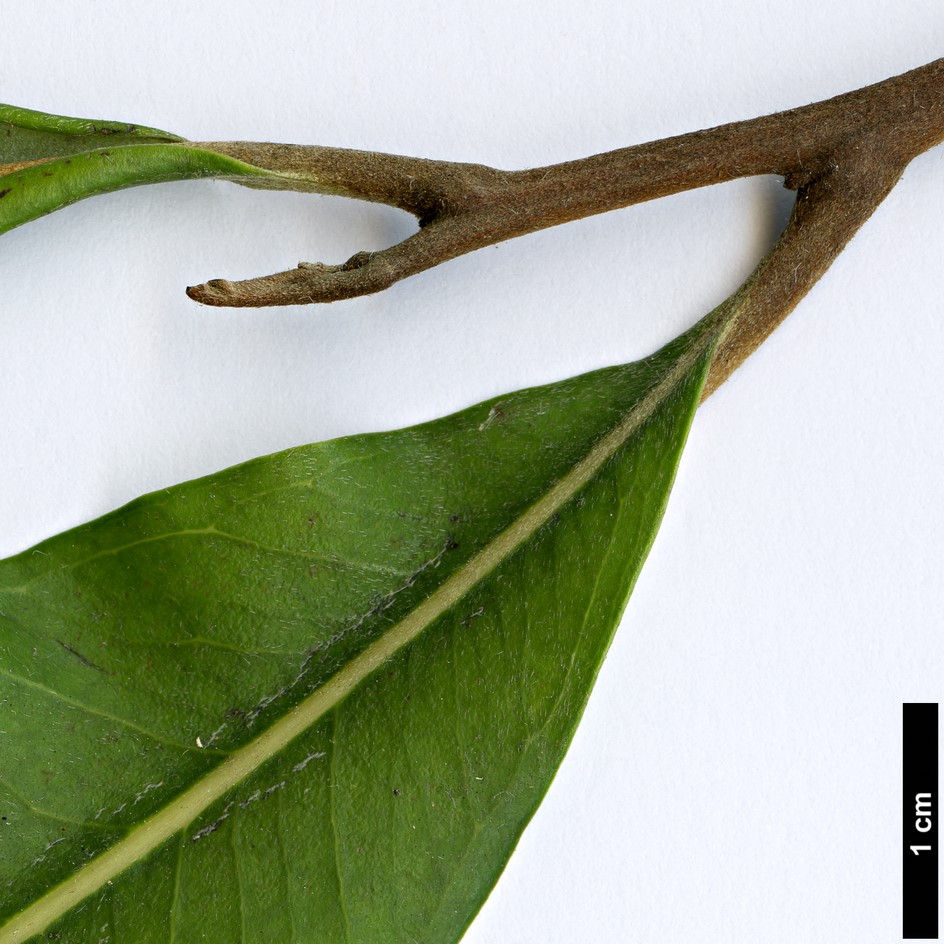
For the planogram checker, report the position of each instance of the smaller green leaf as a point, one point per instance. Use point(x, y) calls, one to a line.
point(27, 135)
point(48, 162)
point(39, 189)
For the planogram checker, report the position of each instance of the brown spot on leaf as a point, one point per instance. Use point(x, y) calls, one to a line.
point(88, 663)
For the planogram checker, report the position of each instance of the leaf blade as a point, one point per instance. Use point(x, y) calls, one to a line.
point(640, 415)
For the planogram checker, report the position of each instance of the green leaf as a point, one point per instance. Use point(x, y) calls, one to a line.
point(27, 135)
point(317, 697)
point(48, 162)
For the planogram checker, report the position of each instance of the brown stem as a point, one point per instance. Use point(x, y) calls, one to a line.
point(842, 156)
point(828, 212)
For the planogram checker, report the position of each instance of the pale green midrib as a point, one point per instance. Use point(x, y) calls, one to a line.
point(170, 820)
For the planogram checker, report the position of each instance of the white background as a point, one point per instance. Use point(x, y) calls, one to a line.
point(736, 777)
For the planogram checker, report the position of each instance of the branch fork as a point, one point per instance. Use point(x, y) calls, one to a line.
point(842, 157)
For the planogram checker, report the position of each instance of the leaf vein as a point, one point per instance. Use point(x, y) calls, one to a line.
point(336, 833)
point(47, 814)
point(175, 897)
point(98, 713)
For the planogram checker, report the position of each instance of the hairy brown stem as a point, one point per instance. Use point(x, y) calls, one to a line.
point(842, 156)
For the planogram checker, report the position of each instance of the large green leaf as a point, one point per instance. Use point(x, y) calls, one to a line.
point(48, 161)
point(317, 697)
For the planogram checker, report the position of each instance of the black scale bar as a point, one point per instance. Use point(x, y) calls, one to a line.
point(919, 822)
